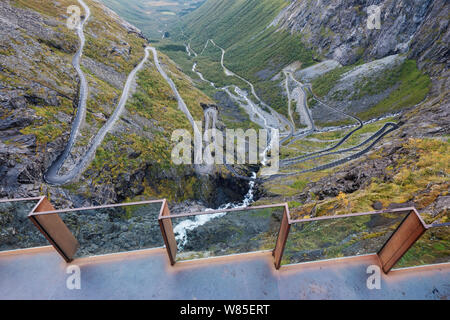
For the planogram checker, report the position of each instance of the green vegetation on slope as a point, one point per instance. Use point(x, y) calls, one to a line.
point(148, 148)
point(336, 238)
point(254, 51)
point(230, 22)
point(409, 87)
point(324, 83)
point(414, 86)
point(39, 68)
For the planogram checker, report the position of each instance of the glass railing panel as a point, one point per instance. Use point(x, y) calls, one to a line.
point(339, 237)
point(16, 229)
point(432, 248)
point(107, 230)
point(223, 234)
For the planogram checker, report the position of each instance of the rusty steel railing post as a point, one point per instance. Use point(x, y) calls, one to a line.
point(167, 232)
point(282, 237)
point(406, 234)
point(54, 229)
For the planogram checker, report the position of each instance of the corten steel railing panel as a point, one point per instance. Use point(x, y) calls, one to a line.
point(433, 247)
point(411, 242)
point(101, 230)
point(54, 229)
point(407, 233)
point(18, 232)
point(167, 233)
point(282, 238)
point(330, 237)
point(224, 233)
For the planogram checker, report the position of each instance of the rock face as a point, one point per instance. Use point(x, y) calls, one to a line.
point(17, 231)
point(24, 91)
point(113, 230)
point(338, 29)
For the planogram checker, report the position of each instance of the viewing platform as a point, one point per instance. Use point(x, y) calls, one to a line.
point(142, 257)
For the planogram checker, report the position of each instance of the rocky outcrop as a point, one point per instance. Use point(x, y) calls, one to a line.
point(17, 231)
point(25, 37)
point(353, 177)
point(429, 46)
point(338, 29)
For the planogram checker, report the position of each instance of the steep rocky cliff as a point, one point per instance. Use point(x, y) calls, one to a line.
point(39, 91)
point(338, 29)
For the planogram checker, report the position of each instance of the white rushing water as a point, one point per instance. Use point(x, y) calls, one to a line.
point(183, 227)
point(267, 120)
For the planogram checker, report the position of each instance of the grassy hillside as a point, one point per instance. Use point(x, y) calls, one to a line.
point(230, 22)
point(140, 142)
point(241, 27)
point(254, 51)
point(404, 84)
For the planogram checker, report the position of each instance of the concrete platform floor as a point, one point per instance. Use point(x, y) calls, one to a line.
point(41, 274)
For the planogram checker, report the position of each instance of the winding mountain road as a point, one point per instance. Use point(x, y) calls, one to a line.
point(189, 50)
point(52, 175)
point(183, 107)
point(200, 75)
point(320, 154)
point(337, 145)
point(339, 162)
point(299, 95)
point(305, 113)
point(280, 118)
point(288, 92)
point(376, 137)
point(302, 105)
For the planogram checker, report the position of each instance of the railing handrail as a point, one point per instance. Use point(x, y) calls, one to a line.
point(342, 216)
point(47, 220)
point(21, 199)
point(193, 214)
point(437, 225)
point(127, 204)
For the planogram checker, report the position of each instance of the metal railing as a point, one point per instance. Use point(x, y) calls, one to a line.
point(398, 237)
point(94, 231)
point(388, 233)
point(432, 248)
point(219, 233)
